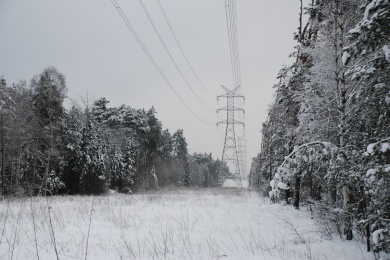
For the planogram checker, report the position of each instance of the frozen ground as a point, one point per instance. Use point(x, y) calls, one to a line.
point(226, 223)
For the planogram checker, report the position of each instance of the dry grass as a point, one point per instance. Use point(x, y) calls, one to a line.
point(169, 224)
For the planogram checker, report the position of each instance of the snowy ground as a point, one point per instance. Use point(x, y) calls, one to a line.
point(226, 223)
point(231, 184)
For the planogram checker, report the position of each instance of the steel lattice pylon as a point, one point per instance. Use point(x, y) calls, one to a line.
point(230, 154)
point(242, 154)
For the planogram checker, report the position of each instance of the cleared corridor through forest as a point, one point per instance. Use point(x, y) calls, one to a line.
point(227, 223)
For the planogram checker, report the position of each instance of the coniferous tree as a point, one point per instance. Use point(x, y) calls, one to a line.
point(93, 178)
point(368, 57)
point(49, 89)
point(52, 150)
point(181, 153)
point(72, 139)
point(179, 145)
point(22, 148)
point(165, 145)
point(331, 106)
point(6, 108)
point(204, 170)
point(128, 161)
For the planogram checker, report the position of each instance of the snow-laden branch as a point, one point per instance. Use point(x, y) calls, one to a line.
point(385, 146)
point(296, 149)
point(277, 183)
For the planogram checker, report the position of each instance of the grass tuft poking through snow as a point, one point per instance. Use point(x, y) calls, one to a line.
point(224, 223)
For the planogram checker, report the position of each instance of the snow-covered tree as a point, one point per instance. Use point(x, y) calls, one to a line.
point(72, 135)
point(100, 111)
point(165, 145)
point(180, 152)
point(179, 145)
point(49, 89)
point(123, 166)
point(377, 187)
point(325, 113)
point(6, 107)
point(93, 161)
point(367, 57)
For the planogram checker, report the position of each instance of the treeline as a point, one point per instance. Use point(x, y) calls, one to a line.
point(326, 139)
point(89, 148)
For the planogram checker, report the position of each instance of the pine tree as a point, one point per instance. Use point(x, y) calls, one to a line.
point(181, 153)
point(6, 108)
point(179, 145)
point(129, 160)
point(22, 150)
point(154, 127)
point(368, 57)
point(49, 90)
point(165, 145)
point(93, 159)
point(100, 112)
point(72, 139)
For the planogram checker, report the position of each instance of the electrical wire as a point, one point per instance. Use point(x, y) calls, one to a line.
point(228, 25)
point(231, 25)
point(211, 75)
point(170, 55)
point(181, 49)
point(143, 47)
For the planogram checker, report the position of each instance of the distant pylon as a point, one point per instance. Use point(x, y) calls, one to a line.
point(230, 154)
point(242, 155)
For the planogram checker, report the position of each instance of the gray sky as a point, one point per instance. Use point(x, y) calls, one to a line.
point(89, 43)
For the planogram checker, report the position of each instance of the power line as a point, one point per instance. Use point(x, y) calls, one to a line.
point(230, 43)
point(170, 55)
point(197, 43)
point(237, 148)
point(134, 33)
point(180, 47)
point(231, 24)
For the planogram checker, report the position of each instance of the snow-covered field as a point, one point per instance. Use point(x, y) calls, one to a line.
point(226, 223)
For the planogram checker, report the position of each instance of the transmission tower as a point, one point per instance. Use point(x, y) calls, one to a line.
point(230, 154)
point(242, 155)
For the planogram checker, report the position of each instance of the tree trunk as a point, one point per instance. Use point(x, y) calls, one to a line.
point(347, 217)
point(341, 97)
point(297, 188)
point(288, 195)
point(331, 186)
point(310, 176)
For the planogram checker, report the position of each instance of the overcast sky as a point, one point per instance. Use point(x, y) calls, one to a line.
point(89, 43)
